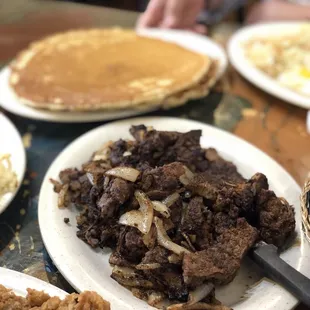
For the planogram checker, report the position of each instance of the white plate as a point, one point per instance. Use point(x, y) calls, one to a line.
point(250, 72)
point(11, 143)
point(19, 283)
point(198, 43)
point(86, 269)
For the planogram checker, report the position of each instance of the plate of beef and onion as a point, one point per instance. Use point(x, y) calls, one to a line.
point(165, 219)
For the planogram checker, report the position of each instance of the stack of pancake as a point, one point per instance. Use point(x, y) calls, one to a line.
point(109, 69)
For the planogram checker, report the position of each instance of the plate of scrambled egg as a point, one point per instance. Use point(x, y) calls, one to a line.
point(12, 161)
point(276, 58)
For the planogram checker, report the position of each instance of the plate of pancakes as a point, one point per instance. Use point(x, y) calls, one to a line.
point(102, 74)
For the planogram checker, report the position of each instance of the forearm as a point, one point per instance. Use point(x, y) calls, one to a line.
point(275, 10)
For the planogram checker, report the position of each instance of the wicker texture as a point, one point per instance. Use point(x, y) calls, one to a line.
point(305, 209)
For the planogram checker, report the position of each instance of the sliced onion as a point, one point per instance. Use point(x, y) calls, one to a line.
point(124, 271)
point(126, 173)
point(128, 277)
point(198, 306)
point(161, 208)
point(150, 238)
point(186, 177)
point(150, 266)
point(188, 173)
point(200, 293)
point(174, 259)
point(90, 178)
point(155, 299)
point(62, 196)
point(164, 240)
point(106, 182)
point(104, 152)
point(171, 199)
point(132, 218)
point(189, 242)
point(142, 218)
point(146, 208)
point(57, 185)
point(193, 238)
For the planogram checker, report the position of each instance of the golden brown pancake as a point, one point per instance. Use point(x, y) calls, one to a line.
point(198, 90)
point(104, 69)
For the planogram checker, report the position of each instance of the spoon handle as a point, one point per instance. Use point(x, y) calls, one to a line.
point(267, 257)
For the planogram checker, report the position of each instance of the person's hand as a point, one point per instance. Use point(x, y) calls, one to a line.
point(178, 14)
point(275, 10)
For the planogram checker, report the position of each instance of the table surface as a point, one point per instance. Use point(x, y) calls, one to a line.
point(276, 127)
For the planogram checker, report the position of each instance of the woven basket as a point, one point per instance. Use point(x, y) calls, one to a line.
point(305, 209)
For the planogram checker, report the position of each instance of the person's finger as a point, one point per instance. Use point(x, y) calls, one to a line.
point(174, 13)
point(197, 28)
point(254, 14)
point(192, 10)
point(201, 29)
point(153, 15)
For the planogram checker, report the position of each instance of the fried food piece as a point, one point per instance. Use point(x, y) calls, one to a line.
point(9, 301)
point(38, 300)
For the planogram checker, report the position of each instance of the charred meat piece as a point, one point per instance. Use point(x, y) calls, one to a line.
point(204, 185)
point(169, 280)
point(165, 178)
point(189, 151)
point(174, 283)
point(117, 151)
point(138, 132)
point(117, 259)
point(222, 222)
point(204, 238)
point(117, 193)
point(221, 261)
point(197, 224)
point(259, 182)
point(222, 193)
point(237, 199)
point(193, 216)
point(68, 175)
point(157, 194)
point(276, 218)
point(130, 245)
point(156, 255)
point(96, 232)
point(157, 148)
point(220, 166)
point(74, 187)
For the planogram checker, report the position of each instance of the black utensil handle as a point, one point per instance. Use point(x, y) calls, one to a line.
point(267, 257)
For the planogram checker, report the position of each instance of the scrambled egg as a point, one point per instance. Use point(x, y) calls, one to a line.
point(285, 58)
point(8, 178)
